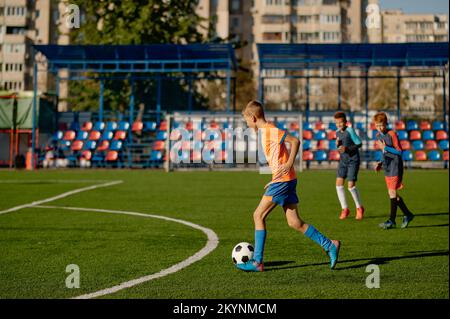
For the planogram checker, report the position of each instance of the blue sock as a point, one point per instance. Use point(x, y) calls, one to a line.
point(260, 239)
point(315, 235)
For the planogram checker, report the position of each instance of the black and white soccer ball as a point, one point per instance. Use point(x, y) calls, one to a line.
point(242, 253)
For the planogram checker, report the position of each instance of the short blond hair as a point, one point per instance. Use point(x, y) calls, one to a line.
point(254, 108)
point(380, 117)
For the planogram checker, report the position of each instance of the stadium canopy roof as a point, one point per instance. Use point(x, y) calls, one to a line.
point(311, 56)
point(160, 58)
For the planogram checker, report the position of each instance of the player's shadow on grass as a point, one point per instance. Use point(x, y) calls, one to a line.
point(420, 214)
point(277, 263)
point(368, 261)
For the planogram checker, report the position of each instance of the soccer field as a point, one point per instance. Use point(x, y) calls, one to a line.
point(113, 246)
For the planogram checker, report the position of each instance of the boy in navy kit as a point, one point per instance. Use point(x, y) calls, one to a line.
point(392, 163)
point(281, 190)
point(348, 144)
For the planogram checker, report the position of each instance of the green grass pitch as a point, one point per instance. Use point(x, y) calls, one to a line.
point(37, 244)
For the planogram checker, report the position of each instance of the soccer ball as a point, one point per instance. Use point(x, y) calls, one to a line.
point(242, 253)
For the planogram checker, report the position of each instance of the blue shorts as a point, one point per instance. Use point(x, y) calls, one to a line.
point(282, 193)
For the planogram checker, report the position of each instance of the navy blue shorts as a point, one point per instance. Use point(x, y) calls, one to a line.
point(282, 193)
point(348, 170)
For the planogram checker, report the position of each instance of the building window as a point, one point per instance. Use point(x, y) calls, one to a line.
point(272, 36)
point(235, 5)
point(38, 13)
point(235, 22)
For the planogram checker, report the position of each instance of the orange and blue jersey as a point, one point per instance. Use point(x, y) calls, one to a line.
point(392, 159)
point(282, 188)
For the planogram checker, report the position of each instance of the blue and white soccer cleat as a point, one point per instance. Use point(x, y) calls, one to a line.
point(406, 221)
point(333, 253)
point(389, 224)
point(251, 265)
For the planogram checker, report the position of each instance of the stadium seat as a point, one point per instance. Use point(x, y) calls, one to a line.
point(418, 145)
point(307, 144)
point(137, 126)
point(402, 135)
point(76, 146)
point(405, 145)
point(400, 125)
point(90, 145)
point(443, 145)
point(149, 126)
point(411, 125)
point(161, 136)
point(75, 126)
point(445, 156)
point(332, 126)
point(319, 126)
point(120, 135)
point(112, 156)
point(214, 125)
point(415, 135)
point(441, 135)
point(294, 126)
point(189, 126)
point(281, 125)
point(57, 136)
point(434, 156)
point(111, 126)
point(86, 155)
point(123, 126)
point(155, 156)
point(332, 145)
point(308, 156)
point(322, 145)
point(320, 156)
point(99, 126)
point(104, 145)
point(94, 135)
point(421, 156)
point(360, 126)
point(331, 135)
point(82, 135)
point(334, 156)
point(378, 155)
point(158, 146)
point(407, 156)
point(428, 135)
point(307, 126)
point(107, 135)
point(87, 126)
point(69, 135)
point(431, 145)
point(116, 145)
point(163, 126)
point(65, 145)
point(307, 135)
point(437, 125)
point(320, 135)
point(424, 126)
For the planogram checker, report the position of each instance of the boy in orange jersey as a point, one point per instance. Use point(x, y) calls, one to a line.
point(281, 190)
point(392, 163)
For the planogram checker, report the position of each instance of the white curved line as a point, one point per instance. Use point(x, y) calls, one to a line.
point(211, 244)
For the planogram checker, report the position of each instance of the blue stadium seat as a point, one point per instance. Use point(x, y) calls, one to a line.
point(98, 126)
point(332, 145)
point(306, 144)
point(161, 136)
point(418, 145)
point(107, 135)
point(411, 125)
point(65, 145)
point(57, 136)
point(360, 126)
point(434, 156)
point(307, 126)
point(116, 145)
point(428, 135)
point(281, 125)
point(402, 135)
point(377, 155)
point(90, 145)
point(155, 156)
point(82, 135)
point(149, 126)
point(320, 156)
point(332, 126)
point(438, 125)
point(111, 126)
point(407, 156)
point(320, 135)
point(123, 126)
point(443, 145)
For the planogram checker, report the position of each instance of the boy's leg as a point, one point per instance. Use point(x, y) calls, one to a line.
point(390, 223)
point(331, 247)
point(408, 216)
point(356, 198)
point(341, 196)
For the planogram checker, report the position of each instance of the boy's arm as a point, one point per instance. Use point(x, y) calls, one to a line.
point(356, 140)
point(295, 145)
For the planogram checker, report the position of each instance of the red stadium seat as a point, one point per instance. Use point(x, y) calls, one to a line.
point(421, 156)
point(425, 125)
point(308, 156)
point(137, 126)
point(213, 125)
point(415, 135)
point(188, 126)
point(69, 135)
point(445, 155)
point(95, 135)
point(441, 135)
point(307, 135)
point(112, 156)
point(86, 155)
point(294, 126)
point(87, 126)
point(406, 145)
point(400, 125)
point(319, 126)
point(334, 156)
point(104, 145)
point(77, 146)
point(431, 145)
point(163, 126)
point(158, 146)
point(331, 135)
point(120, 135)
point(322, 145)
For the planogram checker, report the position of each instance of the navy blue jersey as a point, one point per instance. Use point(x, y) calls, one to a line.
point(352, 143)
point(392, 155)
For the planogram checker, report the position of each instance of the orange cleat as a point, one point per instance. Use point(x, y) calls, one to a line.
point(360, 213)
point(344, 214)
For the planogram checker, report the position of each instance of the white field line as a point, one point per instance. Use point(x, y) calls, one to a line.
point(211, 244)
point(43, 201)
point(52, 181)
